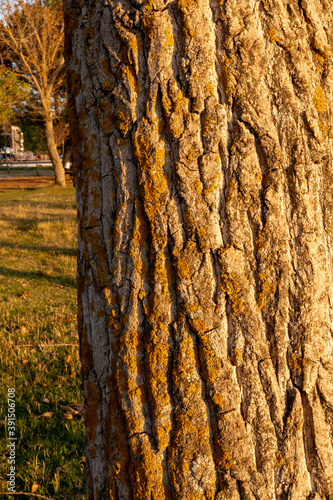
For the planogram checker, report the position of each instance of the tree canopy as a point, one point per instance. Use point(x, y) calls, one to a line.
point(13, 93)
point(32, 40)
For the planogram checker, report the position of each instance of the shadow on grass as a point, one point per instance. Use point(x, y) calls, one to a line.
point(28, 223)
point(38, 276)
point(39, 248)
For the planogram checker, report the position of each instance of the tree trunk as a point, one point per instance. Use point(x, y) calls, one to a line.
point(203, 162)
point(59, 172)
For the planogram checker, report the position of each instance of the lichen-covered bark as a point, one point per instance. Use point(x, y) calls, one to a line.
point(202, 138)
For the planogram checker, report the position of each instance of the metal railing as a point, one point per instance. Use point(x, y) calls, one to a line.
point(10, 165)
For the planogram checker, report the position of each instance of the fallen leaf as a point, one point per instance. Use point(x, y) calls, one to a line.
point(34, 488)
point(48, 414)
point(77, 407)
point(25, 295)
point(45, 400)
point(68, 416)
point(69, 359)
point(25, 361)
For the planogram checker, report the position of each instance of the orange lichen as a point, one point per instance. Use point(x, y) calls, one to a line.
point(230, 285)
point(198, 186)
point(322, 127)
point(319, 100)
point(261, 240)
point(296, 363)
point(232, 189)
point(223, 458)
point(278, 461)
point(226, 79)
point(267, 289)
point(153, 178)
point(170, 41)
point(272, 35)
point(132, 78)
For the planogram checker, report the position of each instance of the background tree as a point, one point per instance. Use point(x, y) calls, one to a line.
point(202, 135)
point(13, 93)
point(32, 36)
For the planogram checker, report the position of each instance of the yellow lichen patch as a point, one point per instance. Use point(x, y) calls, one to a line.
point(191, 435)
point(259, 177)
point(146, 472)
point(108, 86)
point(180, 103)
point(211, 362)
point(148, 24)
point(237, 357)
point(139, 239)
point(319, 100)
point(202, 235)
point(160, 274)
point(132, 78)
point(272, 35)
point(230, 285)
point(223, 458)
point(170, 41)
point(206, 122)
point(158, 352)
point(232, 189)
point(320, 59)
point(217, 399)
point(198, 186)
point(325, 52)
point(135, 44)
point(322, 127)
point(183, 269)
point(210, 88)
point(296, 363)
point(261, 240)
point(226, 79)
point(212, 184)
point(278, 461)
point(267, 289)
point(153, 178)
point(157, 362)
point(185, 4)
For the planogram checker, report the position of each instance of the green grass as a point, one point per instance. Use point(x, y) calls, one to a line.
point(37, 316)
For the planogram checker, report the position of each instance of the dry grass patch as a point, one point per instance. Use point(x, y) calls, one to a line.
point(38, 341)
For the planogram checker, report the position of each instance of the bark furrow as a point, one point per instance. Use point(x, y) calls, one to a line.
point(202, 137)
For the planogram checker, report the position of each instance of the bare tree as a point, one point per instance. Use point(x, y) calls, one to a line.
point(32, 35)
point(203, 160)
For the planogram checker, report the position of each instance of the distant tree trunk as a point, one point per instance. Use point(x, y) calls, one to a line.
point(203, 163)
point(59, 172)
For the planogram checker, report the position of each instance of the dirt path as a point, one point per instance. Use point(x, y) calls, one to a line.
point(26, 182)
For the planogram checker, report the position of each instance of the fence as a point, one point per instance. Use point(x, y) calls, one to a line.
point(11, 165)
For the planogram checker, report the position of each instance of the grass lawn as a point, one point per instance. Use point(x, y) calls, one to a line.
point(39, 354)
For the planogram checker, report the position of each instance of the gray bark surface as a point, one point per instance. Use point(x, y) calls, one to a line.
point(202, 138)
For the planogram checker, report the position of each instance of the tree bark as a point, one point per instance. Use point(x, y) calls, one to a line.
point(59, 172)
point(202, 136)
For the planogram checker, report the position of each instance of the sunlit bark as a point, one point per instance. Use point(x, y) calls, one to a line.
point(203, 163)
